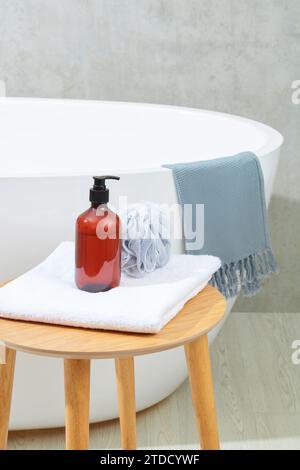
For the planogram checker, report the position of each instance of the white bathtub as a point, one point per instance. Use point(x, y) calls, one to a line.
point(49, 149)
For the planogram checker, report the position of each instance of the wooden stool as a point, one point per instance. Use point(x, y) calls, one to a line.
point(78, 346)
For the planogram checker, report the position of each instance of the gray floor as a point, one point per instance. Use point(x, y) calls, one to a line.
point(257, 392)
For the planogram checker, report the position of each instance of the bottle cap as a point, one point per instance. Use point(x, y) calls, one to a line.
point(99, 193)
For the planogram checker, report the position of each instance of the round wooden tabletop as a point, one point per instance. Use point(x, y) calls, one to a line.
point(202, 313)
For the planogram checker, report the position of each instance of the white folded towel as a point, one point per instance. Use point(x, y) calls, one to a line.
point(48, 294)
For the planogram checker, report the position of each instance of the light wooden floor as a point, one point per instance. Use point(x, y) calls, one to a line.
point(257, 393)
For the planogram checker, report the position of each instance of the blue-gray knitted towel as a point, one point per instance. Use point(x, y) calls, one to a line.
point(235, 221)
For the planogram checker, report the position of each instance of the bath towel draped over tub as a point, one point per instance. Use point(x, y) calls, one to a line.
point(235, 221)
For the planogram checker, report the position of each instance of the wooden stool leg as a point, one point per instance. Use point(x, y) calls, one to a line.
point(77, 403)
point(6, 386)
point(126, 397)
point(198, 361)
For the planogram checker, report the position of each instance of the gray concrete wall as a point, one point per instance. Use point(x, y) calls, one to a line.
point(237, 56)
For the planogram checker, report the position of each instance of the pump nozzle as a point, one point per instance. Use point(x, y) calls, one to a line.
point(99, 192)
point(99, 181)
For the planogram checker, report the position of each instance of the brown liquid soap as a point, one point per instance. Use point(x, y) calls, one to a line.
point(98, 244)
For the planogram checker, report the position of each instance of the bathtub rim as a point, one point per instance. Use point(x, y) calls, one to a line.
point(274, 142)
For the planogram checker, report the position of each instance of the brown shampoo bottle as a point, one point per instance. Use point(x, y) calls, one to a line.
point(98, 245)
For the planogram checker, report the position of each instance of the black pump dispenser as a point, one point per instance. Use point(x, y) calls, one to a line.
point(99, 193)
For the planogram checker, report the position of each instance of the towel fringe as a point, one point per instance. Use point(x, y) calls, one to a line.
point(246, 274)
